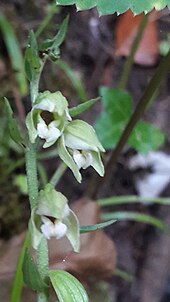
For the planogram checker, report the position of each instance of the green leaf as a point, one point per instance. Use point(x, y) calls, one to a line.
point(123, 215)
point(117, 108)
point(146, 137)
point(67, 159)
point(31, 274)
point(52, 45)
point(12, 123)
point(67, 287)
point(82, 107)
point(94, 227)
point(15, 54)
point(32, 60)
point(112, 6)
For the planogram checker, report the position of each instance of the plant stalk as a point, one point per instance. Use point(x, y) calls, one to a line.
point(130, 59)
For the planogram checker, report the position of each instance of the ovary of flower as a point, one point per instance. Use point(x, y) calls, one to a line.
point(50, 133)
point(51, 229)
point(82, 159)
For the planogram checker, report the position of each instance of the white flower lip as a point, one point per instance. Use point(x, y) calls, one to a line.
point(50, 133)
point(82, 160)
point(50, 229)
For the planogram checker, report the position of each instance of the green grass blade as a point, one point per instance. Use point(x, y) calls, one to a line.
point(18, 279)
point(116, 200)
point(14, 53)
point(95, 227)
point(135, 216)
point(74, 79)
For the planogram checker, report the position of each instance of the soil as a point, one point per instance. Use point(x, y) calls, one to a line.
point(142, 250)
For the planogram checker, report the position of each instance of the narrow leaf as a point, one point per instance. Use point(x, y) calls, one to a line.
point(94, 227)
point(15, 54)
point(59, 38)
point(12, 123)
point(74, 79)
point(32, 60)
point(67, 287)
point(132, 199)
point(135, 216)
point(82, 107)
point(31, 275)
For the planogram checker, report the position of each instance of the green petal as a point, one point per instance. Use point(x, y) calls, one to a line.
point(36, 235)
point(67, 159)
point(30, 126)
point(73, 232)
point(83, 131)
point(51, 203)
point(97, 163)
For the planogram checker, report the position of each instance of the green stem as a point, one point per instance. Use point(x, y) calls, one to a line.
point(153, 85)
point(31, 170)
point(129, 61)
point(57, 175)
point(18, 279)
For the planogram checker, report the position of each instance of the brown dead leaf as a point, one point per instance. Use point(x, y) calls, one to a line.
point(97, 257)
point(125, 32)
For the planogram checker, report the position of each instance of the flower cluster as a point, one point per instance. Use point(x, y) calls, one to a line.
point(77, 142)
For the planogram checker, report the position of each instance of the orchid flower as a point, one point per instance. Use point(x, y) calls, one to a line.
point(48, 117)
point(79, 148)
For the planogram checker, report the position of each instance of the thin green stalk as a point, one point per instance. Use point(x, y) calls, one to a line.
point(18, 279)
point(116, 200)
point(57, 175)
point(129, 61)
point(31, 171)
point(153, 85)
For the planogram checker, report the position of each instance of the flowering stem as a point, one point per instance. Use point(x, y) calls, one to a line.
point(31, 171)
point(32, 181)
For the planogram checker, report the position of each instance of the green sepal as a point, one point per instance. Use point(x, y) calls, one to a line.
point(31, 275)
point(31, 127)
point(36, 235)
point(67, 287)
point(67, 159)
point(80, 135)
point(51, 203)
point(73, 233)
point(95, 227)
point(12, 123)
point(82, 107)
